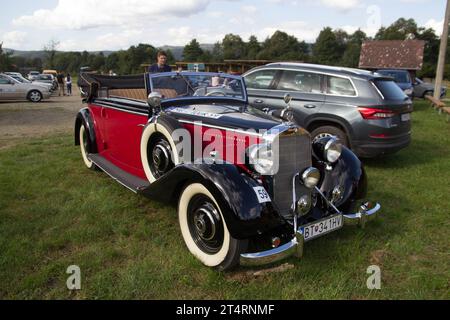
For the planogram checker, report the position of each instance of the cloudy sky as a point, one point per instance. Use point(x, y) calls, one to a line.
point(117, 24)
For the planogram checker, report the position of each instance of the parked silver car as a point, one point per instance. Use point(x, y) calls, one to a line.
point(421, 89)
point(21, 79)
point(11, 89)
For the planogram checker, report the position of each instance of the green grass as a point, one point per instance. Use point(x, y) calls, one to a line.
point(55, 213)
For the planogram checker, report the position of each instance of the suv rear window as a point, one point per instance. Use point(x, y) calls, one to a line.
point(389, 89)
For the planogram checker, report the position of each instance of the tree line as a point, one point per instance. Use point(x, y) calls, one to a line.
point(332, 47)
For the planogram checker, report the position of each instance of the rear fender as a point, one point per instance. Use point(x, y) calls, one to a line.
point(84, 117)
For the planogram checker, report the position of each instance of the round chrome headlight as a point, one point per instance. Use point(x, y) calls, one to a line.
point(262, 158)
point(311, 177)
point(333, 150)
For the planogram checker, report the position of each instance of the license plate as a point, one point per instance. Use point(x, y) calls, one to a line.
point(322, 227)
point(406, 116)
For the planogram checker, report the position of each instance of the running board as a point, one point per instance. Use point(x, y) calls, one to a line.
point(129, 181)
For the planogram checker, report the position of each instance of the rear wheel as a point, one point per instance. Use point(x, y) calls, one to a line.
point(328, 131)
point(85, 148)
point(160, 156)
point(35, 96)
point(428, 93)
point(205, 231)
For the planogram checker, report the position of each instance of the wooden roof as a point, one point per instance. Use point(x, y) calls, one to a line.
point(395, 54)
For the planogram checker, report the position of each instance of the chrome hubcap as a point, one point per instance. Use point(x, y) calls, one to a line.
point(322, 135)
point(35, 96)
point(161, 158)
point(205, 224)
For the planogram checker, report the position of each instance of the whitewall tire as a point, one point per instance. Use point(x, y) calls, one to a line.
point(205, 231)
point(84, 146)
point(149, 131)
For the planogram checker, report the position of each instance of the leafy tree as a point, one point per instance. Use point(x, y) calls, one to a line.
point(358, 37)
point(5, 59)
point(352, 51)
point(253, 48)
point(281, 46)
point(327, 49)
point(50, 54)
point(217, 53)
point(192, 51)
point(399, 30)
point(233, 47)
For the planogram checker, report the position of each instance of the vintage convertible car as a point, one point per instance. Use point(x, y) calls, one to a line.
point(250, 187)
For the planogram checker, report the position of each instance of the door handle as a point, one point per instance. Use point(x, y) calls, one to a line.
point(310, 106)
point(259, 101)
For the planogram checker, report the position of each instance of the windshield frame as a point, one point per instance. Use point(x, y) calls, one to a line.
point(244, 99)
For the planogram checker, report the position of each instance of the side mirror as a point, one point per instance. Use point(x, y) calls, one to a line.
point(154, 101)
point(287, 98)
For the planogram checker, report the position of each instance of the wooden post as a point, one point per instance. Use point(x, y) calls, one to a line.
point(442, 52)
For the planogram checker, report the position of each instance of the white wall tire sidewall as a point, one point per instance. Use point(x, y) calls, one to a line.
point(207, 259)
point(148, 132)
point(87, 162)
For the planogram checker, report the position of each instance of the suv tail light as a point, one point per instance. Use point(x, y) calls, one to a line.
point(373, 113)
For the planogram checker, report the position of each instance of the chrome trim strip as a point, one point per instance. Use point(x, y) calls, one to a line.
point(119, 109)
point(198, 123)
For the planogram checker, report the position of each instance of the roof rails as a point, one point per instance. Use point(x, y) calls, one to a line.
point(320, 66)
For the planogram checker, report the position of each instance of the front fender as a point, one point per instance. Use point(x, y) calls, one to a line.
point(84, 117)
point(244, 215)
point(348, 172)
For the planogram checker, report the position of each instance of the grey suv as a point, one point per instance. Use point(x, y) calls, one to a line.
point(367, 111)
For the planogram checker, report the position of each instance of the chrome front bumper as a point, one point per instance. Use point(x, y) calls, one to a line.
point(295, 247)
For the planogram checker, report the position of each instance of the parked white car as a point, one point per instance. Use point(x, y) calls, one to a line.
point(32, 75)
point(12, 89)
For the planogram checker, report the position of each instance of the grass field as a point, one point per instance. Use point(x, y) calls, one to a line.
point(55, 213)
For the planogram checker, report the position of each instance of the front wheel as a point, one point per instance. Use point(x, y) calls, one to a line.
point(205, 231)
point(329, 131)
point(35, 96)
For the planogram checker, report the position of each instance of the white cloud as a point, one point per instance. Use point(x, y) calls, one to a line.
point(302, 30)
point(13, 39)
point(85, 14)
point(249, 9)
point(343, 5)
point(437, 26)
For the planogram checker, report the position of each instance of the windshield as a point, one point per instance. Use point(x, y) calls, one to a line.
point(187, 85)
point(21, 79)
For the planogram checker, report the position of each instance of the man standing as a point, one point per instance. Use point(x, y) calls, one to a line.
point(161, 66)
point(60, 78)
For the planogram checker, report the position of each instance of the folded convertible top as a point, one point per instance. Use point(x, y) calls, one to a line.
point(91, 84)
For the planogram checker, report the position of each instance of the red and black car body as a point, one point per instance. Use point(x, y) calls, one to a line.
point(196, 142)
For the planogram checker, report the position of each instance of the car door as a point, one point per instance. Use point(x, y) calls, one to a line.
point(306, 90)
point(258, 83)
point(8, 89)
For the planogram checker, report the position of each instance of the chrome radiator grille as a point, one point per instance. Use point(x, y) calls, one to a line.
point(294, 157)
